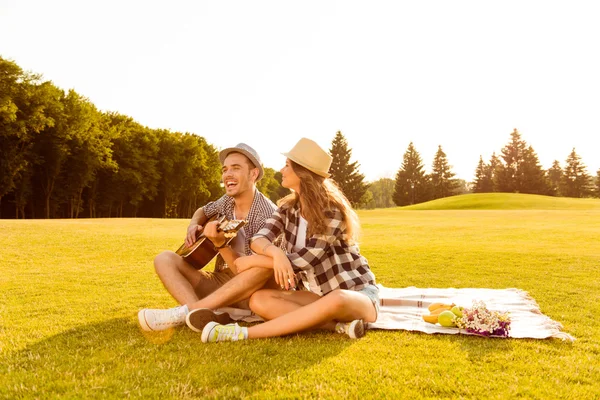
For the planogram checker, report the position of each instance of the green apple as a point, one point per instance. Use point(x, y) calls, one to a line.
point(446, 318)
point(457, 311)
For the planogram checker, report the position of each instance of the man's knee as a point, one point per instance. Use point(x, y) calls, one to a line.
point(165, 260)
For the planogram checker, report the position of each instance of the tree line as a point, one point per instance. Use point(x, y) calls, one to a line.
point(60, 157)
point(516, 170)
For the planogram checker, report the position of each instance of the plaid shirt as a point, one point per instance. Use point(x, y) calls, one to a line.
point(334, 262)
point(261, 209)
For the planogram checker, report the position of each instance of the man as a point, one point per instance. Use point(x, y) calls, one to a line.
point(199, 292)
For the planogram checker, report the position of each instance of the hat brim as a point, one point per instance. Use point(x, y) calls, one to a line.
point(308, 167)
point(225, 152)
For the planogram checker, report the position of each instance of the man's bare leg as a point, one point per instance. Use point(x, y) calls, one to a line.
point(185, 283)
point(240, 287)
point(178, 277)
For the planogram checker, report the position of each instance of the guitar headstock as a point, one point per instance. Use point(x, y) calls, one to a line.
point(231, 227)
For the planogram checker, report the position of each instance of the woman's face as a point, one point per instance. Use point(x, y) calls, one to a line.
point(289, 179)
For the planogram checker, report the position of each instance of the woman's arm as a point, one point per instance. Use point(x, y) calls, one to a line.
point(282, 268)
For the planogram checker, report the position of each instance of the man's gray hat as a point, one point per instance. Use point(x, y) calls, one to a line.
point(246, 150)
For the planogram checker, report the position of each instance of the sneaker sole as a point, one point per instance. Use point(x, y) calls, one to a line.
point(142, 320)
point(207, 330)
point(357, 329)
point(197, 319)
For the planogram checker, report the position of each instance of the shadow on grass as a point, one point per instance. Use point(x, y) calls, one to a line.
point(114, 358)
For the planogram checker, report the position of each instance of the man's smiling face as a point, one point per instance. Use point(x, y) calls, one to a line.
point(238, 174)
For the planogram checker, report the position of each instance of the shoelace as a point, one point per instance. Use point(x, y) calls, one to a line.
point(342, 328)
point(174, 318)
point(225, 332)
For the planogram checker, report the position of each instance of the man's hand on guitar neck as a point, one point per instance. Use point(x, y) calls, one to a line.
point(212, 233)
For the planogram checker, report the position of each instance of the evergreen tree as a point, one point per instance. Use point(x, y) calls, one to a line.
point(508, 178)
point(411, 183)
point(576, 181)
point(532, 176)
point(506, 171)
point(483, 182)
point(494, 170)
point(521, 171)
point(555, 176)
point(442, 177)
point(345, 173)
point(597, 187)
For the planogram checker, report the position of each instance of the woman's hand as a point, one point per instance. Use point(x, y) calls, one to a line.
point(283, 271)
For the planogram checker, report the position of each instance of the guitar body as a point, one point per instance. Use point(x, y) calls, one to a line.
point(203, 250)
point(200, 254)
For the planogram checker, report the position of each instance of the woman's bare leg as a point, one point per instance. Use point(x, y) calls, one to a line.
point(339, 305)
point(270, 304)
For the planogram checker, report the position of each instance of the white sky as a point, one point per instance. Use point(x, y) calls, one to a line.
point(461, 74)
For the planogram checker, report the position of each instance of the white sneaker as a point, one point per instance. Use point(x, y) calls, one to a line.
point(215, 332)
point(160, 319)
point(354, 329)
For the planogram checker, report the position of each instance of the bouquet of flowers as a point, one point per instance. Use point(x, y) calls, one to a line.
point(481, 321)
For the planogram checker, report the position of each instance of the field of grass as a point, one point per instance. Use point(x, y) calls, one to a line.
point(70, 291)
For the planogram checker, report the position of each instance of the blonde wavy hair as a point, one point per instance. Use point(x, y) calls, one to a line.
point(319, 194)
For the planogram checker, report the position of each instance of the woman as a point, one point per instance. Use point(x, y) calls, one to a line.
point(320, 229)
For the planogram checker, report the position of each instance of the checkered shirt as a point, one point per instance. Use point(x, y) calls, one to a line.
point(260, 210)
point(335, 263)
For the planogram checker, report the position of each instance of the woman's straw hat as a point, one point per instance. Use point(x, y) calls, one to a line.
point(311, 156)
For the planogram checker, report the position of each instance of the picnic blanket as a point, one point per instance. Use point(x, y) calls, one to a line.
point(403, 308)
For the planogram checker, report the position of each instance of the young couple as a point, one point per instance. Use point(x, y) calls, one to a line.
point(318, 256)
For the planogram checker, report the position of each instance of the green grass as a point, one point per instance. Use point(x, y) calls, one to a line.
point(507, 201)
point(70, 290)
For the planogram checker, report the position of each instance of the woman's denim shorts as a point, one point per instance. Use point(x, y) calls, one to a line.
point(372, 292)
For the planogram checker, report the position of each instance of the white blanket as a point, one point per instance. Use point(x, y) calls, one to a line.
point(403, 308)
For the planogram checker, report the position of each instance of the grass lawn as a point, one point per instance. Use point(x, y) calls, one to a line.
point(70, 291)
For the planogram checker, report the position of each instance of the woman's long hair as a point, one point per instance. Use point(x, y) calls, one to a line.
point(319, 194)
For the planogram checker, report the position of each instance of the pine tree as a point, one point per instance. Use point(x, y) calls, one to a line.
point(494, 169)
point(344, 173)
point(555, 176)
point(512, 154)
point(521, 171)
point(411, 182)
point(443, 184)
point(576, 181)
point(598, 183)
point(532, 177)
point(483, 180)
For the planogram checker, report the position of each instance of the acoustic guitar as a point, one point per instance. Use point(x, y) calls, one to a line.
point(203, 250)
